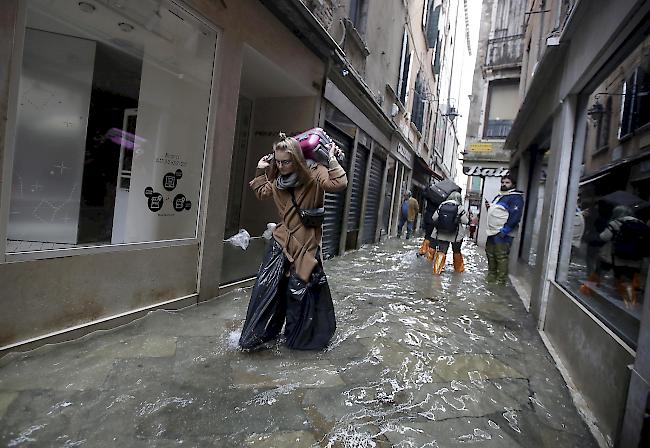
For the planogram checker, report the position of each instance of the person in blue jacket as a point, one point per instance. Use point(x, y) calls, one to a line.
point(504, 214)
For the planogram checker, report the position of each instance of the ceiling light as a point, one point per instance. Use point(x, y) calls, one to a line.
point(126, 27)
point(87, 7)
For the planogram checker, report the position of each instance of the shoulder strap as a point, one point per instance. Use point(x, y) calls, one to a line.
point(293, 199)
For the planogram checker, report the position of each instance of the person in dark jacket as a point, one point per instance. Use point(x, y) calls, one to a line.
point(427, 225)
point(504, 214)
point(409, 211)
point(626, 241)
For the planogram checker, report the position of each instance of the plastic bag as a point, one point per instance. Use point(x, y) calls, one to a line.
point(241, 239)
point(266, 309)
point(310, 320)
point(268, 233)
point(307, 306)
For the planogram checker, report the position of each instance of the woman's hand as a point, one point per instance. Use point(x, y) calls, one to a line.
point(335, 151)
point(264, 162)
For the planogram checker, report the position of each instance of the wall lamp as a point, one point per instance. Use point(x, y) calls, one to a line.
point(452, 113)
point(597, 110)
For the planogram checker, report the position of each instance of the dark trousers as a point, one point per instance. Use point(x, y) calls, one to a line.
point(443, 246)
point(409, 227)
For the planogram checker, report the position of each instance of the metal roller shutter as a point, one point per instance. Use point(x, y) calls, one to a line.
point(335, 202)
point(356, 198)
point(371, 214)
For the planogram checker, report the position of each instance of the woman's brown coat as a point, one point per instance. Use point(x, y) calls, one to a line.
point(300, 243)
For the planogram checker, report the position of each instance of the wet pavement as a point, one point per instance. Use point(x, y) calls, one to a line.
point(417, 361)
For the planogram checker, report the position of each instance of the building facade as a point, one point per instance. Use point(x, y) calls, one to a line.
point(132, 129)
point(494, 102)
point(580, 150)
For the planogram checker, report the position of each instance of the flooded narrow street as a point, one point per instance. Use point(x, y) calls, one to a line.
point(416, 361)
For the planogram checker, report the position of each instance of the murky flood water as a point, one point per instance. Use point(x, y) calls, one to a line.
point(417, 361)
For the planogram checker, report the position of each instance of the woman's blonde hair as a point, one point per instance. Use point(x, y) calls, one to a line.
point(291, 145)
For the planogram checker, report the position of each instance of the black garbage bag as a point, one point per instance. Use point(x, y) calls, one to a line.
point(307, 306)
point(266, 309)
point(311, 322)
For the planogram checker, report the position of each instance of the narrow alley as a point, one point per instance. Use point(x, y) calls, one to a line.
point(416, 361)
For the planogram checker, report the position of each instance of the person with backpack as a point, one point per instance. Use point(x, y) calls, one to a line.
point(449, 221)
point(627, 243)
point(504, 214)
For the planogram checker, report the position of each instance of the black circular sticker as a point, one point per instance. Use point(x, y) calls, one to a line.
point(169, 181)
point(155, 202)
point(148, 191)
point(179, 202)
point(188, 205)
point(178, 173)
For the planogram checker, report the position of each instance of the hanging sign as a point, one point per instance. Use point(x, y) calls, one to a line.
point(480, 147)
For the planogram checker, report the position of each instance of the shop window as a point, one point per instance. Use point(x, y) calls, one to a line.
point(404, 69)
point(605, 248)
point(111, 125)
point(503, 103)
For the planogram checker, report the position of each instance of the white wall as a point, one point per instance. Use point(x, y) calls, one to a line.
point(172, 121)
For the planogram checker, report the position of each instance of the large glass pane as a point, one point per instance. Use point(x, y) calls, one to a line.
point(111, 124)
point(607, 238)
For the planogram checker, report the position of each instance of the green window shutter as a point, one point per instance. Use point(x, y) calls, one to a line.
point(432, 25)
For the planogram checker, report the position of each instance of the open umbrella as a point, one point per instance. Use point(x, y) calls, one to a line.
point(620, 197)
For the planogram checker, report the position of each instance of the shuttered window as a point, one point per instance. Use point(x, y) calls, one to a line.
point(417, 113)
point(371, 213)
point(432, 25)
point(404, 69)
point(335, 202)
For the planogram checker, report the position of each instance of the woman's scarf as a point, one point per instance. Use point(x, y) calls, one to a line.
point(287, 181)
point(292, 180)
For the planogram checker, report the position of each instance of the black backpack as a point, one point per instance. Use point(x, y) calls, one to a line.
point(632, 241)
point(447, 218)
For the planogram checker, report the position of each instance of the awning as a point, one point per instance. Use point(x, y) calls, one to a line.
point(606, 170)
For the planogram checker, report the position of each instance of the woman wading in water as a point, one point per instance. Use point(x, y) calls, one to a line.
point(291, 287)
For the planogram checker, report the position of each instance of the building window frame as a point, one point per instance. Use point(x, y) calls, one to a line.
point(404, 70)
point(358, 15)
point(488, 132)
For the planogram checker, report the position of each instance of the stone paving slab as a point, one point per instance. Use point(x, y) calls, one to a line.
point(417, 361)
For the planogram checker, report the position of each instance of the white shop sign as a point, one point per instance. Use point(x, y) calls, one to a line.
point(485, 172)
